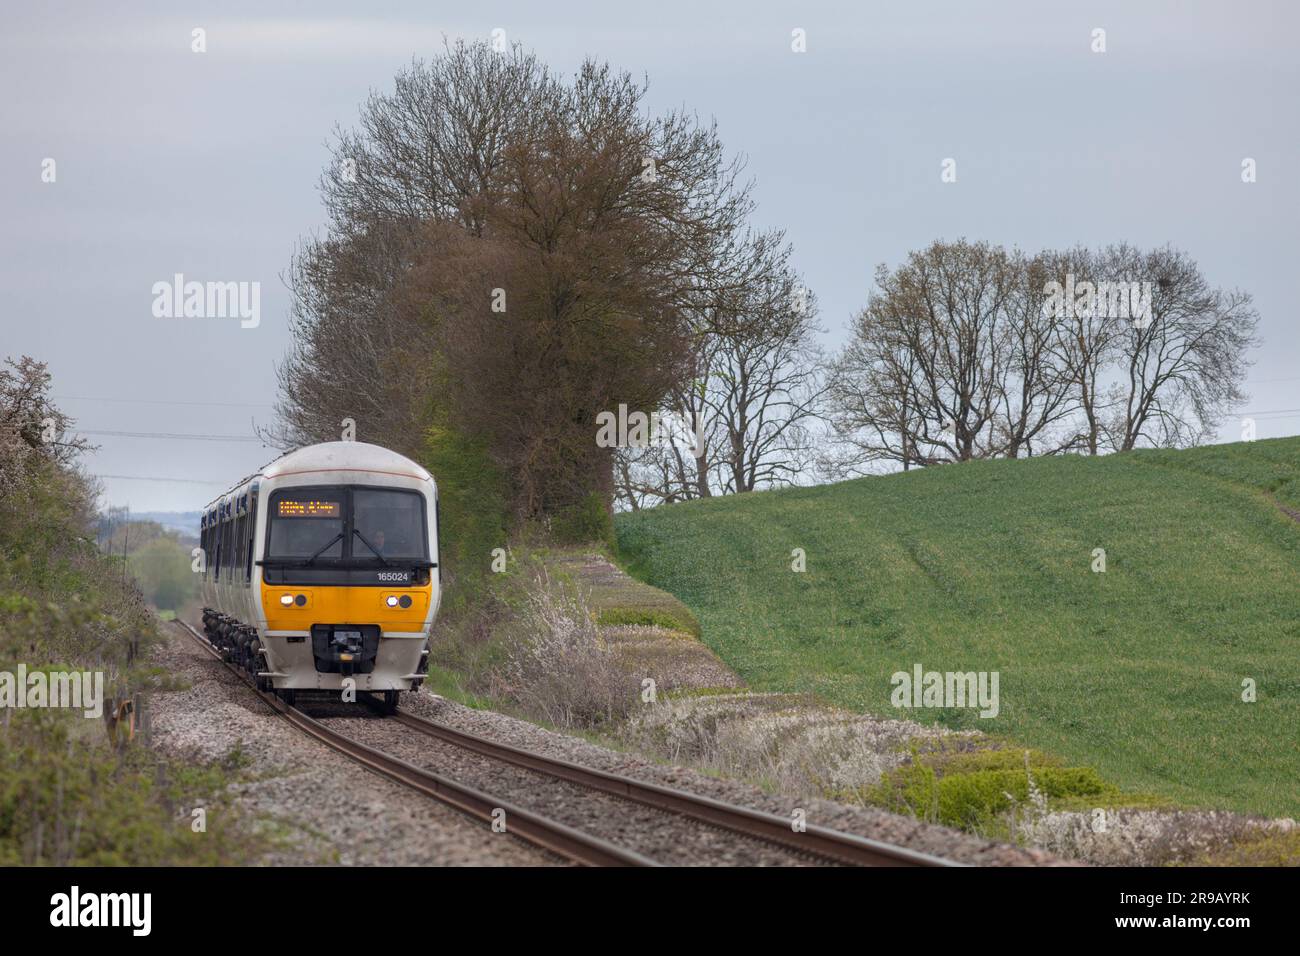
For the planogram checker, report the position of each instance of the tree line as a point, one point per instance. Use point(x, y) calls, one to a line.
point(968, 350)
point(511, 255)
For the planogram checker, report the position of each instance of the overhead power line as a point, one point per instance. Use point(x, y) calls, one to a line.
point(158, 401)
point(171, 436)
point(185, 481)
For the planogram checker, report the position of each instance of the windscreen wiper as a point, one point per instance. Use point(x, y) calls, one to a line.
point(328, 544)
point(382, 559)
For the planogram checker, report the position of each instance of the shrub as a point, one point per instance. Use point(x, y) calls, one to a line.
point(977, 799)
point(472, 508)
point(67, 799)
point(557, 668)
point(588, 521)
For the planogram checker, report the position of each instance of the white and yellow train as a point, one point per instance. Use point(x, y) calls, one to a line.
point(322, 573)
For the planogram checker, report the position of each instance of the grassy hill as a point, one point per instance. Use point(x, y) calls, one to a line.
point(986, 566)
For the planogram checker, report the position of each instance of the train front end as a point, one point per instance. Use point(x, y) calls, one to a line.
point(348, 572)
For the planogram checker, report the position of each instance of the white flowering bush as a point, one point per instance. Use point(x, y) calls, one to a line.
point(556, 666)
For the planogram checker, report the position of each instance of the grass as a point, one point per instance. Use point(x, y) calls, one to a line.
point(617, 599)
point(987, 566)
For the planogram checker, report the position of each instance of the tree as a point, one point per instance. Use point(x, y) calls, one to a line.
point(766, 384)
point(967, 351)
point(1182, 367)
point(162, 569)
point(429, 152)
point(1083, 343)
point(752, 390)
point(516, 255)
point(1035, 396)
point(924, 378)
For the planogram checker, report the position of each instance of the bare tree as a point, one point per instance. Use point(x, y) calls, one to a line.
point(753, 388)
point(1036, 396)
point(32, 427)
point(766, 383)
point(429, 152)
point(433, 149)
point(1083, 345)
point(359, 344)
point(1064, 351)
point(593, 253)
point(1182, 366)
point(482, 180)
point(924, 379)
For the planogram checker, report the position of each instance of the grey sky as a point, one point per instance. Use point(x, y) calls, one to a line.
point(206, 164)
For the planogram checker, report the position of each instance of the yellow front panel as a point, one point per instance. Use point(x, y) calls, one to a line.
point(344, 605)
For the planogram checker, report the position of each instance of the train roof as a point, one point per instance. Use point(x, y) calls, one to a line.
point(336, 455)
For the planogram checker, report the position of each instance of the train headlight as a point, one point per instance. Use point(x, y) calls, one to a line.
point(286, 599)
point(392, 600)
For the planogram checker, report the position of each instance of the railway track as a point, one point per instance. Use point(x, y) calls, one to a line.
point(571, 843)
point(836, 845)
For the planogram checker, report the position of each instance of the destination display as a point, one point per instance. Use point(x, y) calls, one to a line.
point(286, 508)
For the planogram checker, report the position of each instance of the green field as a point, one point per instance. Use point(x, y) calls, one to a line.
point(986, 566)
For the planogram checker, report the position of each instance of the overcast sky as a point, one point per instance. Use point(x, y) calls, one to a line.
point(170, 161)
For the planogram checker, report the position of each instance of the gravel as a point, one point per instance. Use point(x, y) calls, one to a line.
point(327, 808)
point(665, 837)
point(336, 812)
point(868, 822)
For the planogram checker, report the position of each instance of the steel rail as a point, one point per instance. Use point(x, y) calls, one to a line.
point(810, 839)
point(536, 829)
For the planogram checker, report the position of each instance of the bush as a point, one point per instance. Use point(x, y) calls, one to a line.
point(557, 668)
point(67, 796)
point(472, 507)
point(977, 799)
point(586, 522)
point(67, 800)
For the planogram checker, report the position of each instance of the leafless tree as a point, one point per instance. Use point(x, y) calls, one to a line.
point(923, 380)
point(766, 384)
point(1036, 398)
point(1083, 342)
point(753, 388)
point(1179, 370)
point(483, 176)
point(430, 151)
point(1064, 351)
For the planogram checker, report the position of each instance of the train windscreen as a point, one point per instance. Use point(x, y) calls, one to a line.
point(390, 522)
point(358, 526)
point(307, 524)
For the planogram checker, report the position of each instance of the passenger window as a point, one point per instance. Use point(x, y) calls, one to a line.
point(252, 535)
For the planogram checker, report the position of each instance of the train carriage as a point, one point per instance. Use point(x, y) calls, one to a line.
point(321, 571)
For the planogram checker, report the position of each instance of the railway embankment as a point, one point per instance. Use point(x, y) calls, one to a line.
point(683, 709)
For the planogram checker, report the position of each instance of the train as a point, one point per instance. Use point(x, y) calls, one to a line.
point(321, 572)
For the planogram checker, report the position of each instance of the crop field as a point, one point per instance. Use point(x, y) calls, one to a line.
point(1138, 670)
